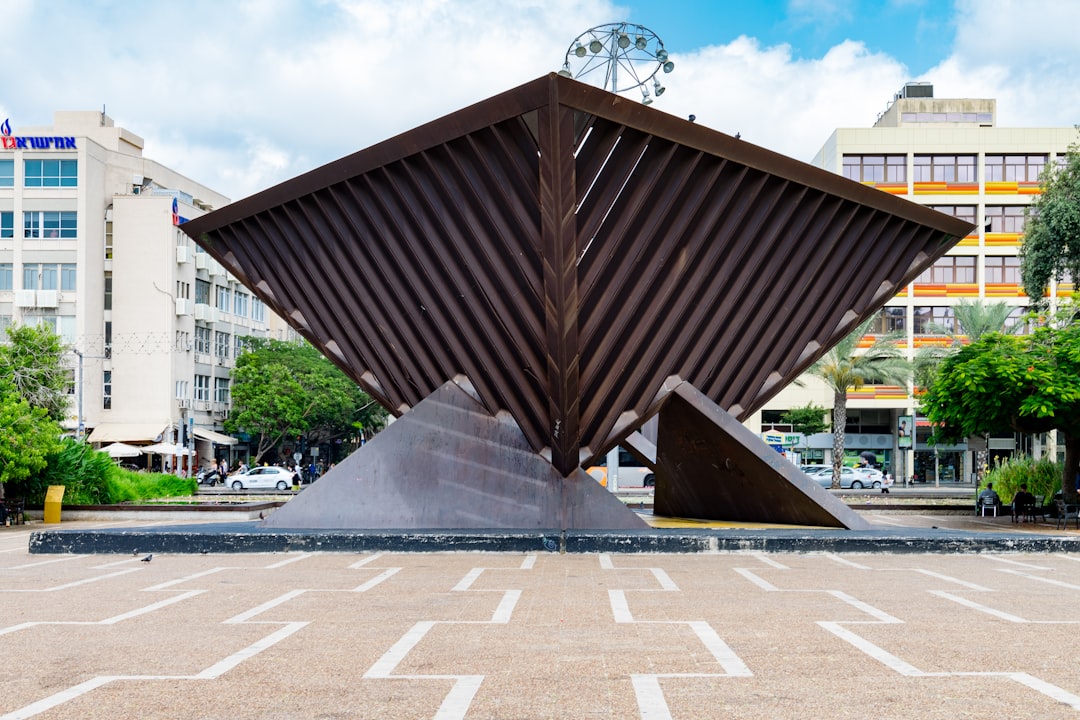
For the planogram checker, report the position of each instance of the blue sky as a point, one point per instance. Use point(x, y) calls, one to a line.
point(917, 33)
point(243, 94)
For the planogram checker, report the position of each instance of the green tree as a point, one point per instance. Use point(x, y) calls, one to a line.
point(283, 390)
point(1051, 248)
point(973, 321)
point(1028, 383)
point(27, 436)
point(843, 368)
point(809, 420)
point(33, 361)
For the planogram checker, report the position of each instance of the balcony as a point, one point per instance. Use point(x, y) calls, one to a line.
point(202, 261)
point(183, 254)
point(48, 298)
point(183, 306)
point(25, 298)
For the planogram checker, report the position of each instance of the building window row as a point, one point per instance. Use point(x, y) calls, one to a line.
point(44, 276)
point(944, 168)
point(876, 168)
point(941, 320)
point(7, 173)
point(221, 344)
point(202, 339)
point(946, 117)
point(7, 224)
point(961, 269)
point(51, 173)
point(50, 224)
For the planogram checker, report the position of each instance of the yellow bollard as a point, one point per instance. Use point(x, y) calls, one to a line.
point(53, 497)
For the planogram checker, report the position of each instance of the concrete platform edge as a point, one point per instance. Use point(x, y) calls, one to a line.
point(249, 538)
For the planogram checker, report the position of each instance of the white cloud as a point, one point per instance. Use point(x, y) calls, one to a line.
point(240, 96)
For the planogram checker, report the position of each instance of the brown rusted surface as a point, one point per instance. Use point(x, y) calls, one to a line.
point(448, 464)
point(710, 466)
point(566, 250)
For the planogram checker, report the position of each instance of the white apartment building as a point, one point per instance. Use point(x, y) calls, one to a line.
point(948, 154)
point(90, 246)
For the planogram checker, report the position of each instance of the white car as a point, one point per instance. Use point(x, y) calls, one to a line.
point(849, 478)
point(267, 476)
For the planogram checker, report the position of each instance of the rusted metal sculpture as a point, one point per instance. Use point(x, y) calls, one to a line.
point(568, 254)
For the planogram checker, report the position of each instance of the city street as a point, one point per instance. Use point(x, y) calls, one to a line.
point(499, 635)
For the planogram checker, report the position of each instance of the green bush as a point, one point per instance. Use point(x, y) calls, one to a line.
point(1043, 477)
point(91, 477)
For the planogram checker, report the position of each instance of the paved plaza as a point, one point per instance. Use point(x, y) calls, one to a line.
point(545, 635)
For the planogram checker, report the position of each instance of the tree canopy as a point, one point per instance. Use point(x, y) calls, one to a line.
point(27, 436)
point(843, 368)
point(1051, 249)
point(808, 420)
point(973, 321)
point(33, 361)
point(282, 390)
point(1028, 383)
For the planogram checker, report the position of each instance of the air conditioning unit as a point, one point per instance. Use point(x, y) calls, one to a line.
point(48, 298)
point(205, 312)
point(220, 414)
point(202, 405)
point(183, 403)
point(183, 307)
point(25, 298)
point(183, 254)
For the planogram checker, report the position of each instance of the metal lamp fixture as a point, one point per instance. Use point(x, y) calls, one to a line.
point(619, 57)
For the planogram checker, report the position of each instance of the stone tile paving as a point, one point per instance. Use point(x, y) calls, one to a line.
point(517, 636)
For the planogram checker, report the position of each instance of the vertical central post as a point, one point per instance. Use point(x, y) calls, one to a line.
point(558, 239)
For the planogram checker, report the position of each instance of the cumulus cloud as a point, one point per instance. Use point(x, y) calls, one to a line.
point(240, 96)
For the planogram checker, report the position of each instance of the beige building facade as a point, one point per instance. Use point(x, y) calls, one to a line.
point(948, 154)
point(90, 246)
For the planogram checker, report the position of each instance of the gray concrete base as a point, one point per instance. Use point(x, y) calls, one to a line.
point(249, 537)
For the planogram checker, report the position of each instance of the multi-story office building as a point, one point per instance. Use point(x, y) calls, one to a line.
point(90, 246)
point(948, 154)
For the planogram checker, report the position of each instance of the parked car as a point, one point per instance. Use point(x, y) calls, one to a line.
point(631, 472)
point(849, 478)
point(267, 476)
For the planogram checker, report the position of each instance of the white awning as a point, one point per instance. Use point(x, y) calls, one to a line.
point(214, 437)
point(128, 432)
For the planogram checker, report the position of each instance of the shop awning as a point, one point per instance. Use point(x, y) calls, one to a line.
point(128, 432)
point(214, 437)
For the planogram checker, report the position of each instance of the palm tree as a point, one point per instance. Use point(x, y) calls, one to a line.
point(973, 320)
point(843, 369)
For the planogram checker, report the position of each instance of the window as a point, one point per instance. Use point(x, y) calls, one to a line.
point(202, 292)
point(106, 390)
point(50, 224)
point(7, 173)
point(890, 319)
point(240, 304)
point(108, 338)
point(7, 224)
point(239, 341)
point(6, 276)
point(1018, 317)
point(221, 390)
point(945, 168)
point(52, 173)
point(1005, 218)
point(68, 277)
point(48, 277)
point(202, 387)
point(958, 269)
point(1003, 269)
point(221, 344)
point(108, 292)
point(181, 389)
point(961, 212)
point(202, 340)
point(223, 298)
point(108, 239)
point(876, 168)
point(1014, 168)
point(258, 310)
point(934, 320)
point(65, 328)
point(946, 117)
point(30, 273)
